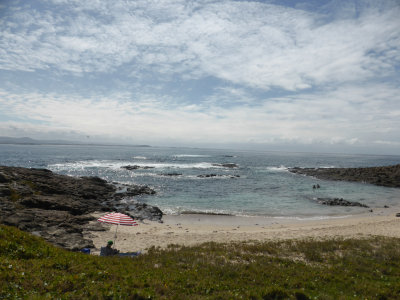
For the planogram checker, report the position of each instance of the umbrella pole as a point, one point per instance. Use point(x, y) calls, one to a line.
point(115, 235)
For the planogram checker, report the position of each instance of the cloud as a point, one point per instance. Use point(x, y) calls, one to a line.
point(348, 116)
point(202, 72)
point(255, 44)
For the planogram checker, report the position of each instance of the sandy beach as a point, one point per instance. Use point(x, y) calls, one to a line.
point(195, 229)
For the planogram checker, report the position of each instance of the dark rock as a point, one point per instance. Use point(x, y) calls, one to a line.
point(140, 190)
point(339, 202)
point(398, 215)
point(56, 202)
point(226, 165)
point(207, 175)
point(96, 180)
point(141, 211)
point(136, 167)
point(4, 178)
point(384, 176)
point(5, 191)
point(171, 174)
point(134, 190)
point(59, 207)
point(216, 175)
point(385, 206)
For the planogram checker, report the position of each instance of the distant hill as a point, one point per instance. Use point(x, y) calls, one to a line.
point(30, 141)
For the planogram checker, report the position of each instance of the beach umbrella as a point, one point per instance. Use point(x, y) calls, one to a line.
point(117, 219)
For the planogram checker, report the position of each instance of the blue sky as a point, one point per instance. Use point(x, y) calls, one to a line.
point(271, 75)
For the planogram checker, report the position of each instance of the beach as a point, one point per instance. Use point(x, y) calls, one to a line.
point(195, 229)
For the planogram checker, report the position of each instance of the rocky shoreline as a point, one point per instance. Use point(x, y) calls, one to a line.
point(339, 202)
point(59, 208)
point(388, 176)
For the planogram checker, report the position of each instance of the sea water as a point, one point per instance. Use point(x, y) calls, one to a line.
point(192, 180)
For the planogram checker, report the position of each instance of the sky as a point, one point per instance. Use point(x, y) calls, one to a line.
point(315, 76)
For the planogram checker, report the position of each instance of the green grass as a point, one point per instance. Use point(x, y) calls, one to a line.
point(333, 269)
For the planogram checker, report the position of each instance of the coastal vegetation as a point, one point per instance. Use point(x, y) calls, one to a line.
point(367, 268)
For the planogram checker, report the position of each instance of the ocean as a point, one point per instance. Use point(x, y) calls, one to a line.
point(192, 180)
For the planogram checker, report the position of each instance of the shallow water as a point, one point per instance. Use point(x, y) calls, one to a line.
point(260, 185)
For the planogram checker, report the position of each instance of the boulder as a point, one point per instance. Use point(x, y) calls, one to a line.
point(226, 165)
point(141, 211)
point(136, 167)
point(59, 207)
point(339, 202)
point(207, 175)
point(171, 174)
point(217, 175)
point(4, 178)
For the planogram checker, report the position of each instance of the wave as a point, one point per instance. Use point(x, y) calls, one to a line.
point(201, 165)
point(116, 165)
point(182, 211)
point(80, 165)
point(311, 218)
point(209, 213)
point(180, 176)
point(139, 157)
point(190, 155)
point(278, 169)
point(176, 211)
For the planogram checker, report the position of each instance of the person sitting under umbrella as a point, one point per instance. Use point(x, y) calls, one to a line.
point(108, 250)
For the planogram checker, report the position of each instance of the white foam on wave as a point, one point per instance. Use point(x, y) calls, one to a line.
point(311, 218)
point(188, 211)
point(278, 169)
point(190, 155)
point(218, 176)
point(139, 157)
point(116, 165)
point(201, 165)
point(179, 210)
point(85, 164)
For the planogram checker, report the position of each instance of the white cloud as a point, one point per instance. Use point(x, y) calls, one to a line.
point(250, 43)
point(349, 116)
point(202, 72)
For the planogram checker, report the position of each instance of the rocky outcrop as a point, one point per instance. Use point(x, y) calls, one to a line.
point(136, 167)
point(59, 207)
point(226, 165)
point(143, 211)
point(124, 191)
point(339, 202)
point(217, 175)
point(388, 176)
point(171, 174)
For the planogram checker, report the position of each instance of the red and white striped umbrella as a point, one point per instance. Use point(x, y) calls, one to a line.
point(118, 219)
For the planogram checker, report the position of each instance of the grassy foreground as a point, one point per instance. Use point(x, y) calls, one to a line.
point(336, 269)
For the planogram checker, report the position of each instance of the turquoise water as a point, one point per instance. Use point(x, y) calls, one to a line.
point(260, 185)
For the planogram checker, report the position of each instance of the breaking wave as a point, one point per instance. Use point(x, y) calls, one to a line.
point(116, 165)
